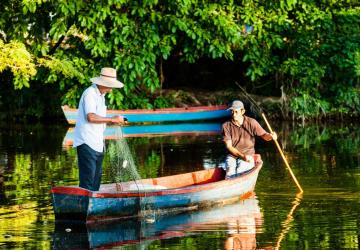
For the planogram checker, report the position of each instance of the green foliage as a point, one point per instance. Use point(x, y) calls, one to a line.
point(311, 49)
point(58, 66)
point(322, 59)
point(15, 56)
point(309, 106)
point(357, 63)
point(162, 102)
point(306, 47)
point(348, 100)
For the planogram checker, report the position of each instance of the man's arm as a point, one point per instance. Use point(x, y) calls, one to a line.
point(115, 120)
point(269, 136)
point(259, 131)
point(236, 152)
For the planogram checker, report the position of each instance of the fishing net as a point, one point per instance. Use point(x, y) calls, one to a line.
point(122, 165)
point(123, 169)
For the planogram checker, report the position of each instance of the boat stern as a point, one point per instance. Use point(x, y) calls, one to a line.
point(70, 203)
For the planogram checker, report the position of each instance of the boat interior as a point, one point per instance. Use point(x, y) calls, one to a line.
point(167, 182)
point(172, 181)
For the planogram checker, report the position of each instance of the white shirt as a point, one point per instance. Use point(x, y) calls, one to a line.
point(92, 134)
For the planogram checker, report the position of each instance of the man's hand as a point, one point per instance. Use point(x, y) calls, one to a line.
point(269, 136)
point(118, 120)
point(274, 136)
point(249, 158)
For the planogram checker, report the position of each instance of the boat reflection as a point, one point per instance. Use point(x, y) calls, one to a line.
point(112, 133)
point(239, 221)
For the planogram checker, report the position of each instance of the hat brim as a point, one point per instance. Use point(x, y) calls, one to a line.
point(232, 108)
point(107, 83)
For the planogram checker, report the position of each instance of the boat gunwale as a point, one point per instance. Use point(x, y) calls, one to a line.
point(191, 109)
point(78, 191)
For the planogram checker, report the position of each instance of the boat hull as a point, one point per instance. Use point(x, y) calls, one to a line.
point(81, 204)
point(161, 115)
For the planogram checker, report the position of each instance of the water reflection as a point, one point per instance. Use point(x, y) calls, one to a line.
point(238, 222)
point(325, 159)
point(112, 133)
point(287, 224)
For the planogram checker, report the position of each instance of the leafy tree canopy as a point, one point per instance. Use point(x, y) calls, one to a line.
point(311, 49)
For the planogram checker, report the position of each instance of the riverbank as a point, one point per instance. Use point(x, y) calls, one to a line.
point(275, 107)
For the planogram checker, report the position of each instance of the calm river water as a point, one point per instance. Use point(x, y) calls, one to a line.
point(324, 158)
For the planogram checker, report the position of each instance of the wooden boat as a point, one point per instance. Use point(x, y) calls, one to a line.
point(153, 130)
point(163, 195)
point(161, 115)
point(242, 216)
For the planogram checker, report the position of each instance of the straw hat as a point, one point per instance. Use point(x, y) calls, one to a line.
point(107, 78)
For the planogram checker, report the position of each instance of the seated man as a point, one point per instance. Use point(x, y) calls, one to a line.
point(239, 137)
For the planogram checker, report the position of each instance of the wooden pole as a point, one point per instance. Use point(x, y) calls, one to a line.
point(282, 155)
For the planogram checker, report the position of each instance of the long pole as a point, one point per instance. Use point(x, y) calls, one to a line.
point(276, 142)
point(282, 155)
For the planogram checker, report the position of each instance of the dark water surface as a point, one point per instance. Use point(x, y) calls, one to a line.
point(324, 158)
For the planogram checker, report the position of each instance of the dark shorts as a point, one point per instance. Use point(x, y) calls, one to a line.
point(90, 167)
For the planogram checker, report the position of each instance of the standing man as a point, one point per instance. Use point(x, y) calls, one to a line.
point(239, 137)
point(90, 125)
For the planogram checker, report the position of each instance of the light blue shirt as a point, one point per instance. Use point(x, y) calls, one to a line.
point(92, 134)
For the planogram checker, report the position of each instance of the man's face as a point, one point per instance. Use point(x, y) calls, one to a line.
point(237, 113)
point(104, 89)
